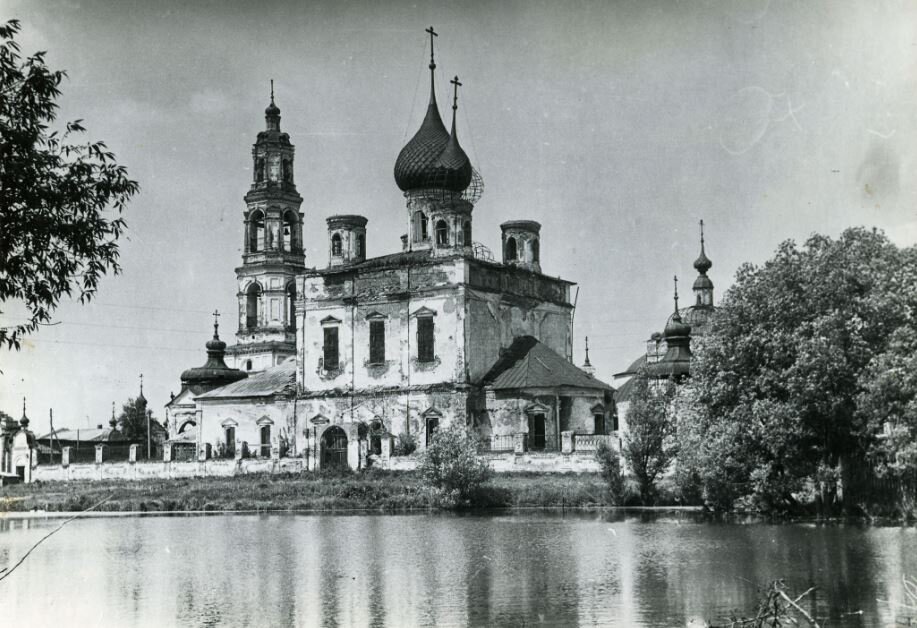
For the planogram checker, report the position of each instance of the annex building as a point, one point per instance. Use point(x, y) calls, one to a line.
point(329, 363)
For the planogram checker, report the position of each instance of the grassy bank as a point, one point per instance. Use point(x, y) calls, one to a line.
point(375, 490)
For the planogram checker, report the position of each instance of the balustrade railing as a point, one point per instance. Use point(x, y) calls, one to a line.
point(498, 442)
point(590, 442)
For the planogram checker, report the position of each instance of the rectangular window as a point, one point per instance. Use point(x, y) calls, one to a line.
point(331, 349)
point(376, 342)
point(265, 441)
point(425, 339)
point(432, 426)
point(599, 423)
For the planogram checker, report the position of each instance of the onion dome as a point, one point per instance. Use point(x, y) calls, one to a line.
point(417, 162)
point(676, 327)
point(677, 359)
point(452, 170)
point(214, 373)
point(702, 264)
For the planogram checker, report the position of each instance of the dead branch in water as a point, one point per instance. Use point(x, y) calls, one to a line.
point(775, 609)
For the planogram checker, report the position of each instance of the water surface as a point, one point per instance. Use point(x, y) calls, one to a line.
point(607, 569)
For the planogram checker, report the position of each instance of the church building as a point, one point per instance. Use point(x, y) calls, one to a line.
point(332, 361)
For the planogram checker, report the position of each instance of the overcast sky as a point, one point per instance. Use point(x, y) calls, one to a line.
point(616, 125)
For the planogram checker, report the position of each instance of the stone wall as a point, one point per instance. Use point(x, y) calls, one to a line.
point(551, 462)
point(163, 470)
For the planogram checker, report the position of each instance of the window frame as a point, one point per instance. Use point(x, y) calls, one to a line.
point(426, 339)
point(377, 341)
point(329, 332)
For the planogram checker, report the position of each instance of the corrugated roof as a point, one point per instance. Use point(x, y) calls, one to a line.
point(530, 364)
point(269, 382)
point(88, 434)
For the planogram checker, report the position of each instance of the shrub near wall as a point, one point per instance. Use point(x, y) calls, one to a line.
point(451, 468)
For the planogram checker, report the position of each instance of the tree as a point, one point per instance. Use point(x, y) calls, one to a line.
point(134, 419)
point(450, 465)
point(778, 381)
point(649, 445)
point(60, 202)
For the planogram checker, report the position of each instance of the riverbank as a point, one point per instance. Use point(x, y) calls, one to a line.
point(376, 490)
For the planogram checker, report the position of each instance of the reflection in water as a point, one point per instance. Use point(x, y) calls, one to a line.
point(440, 570)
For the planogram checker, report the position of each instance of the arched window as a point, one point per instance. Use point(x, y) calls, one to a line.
point(248, 365)
point(442, 233)
point(536, 250)
point(256, 232)
point(466, 232)
point(290, 237)
point(361, 245)
point(336, 245)
point(510, 249)
point(259, 170)
point(252, 297)
point(291, 306)
point(423, 226)
point(287, 170)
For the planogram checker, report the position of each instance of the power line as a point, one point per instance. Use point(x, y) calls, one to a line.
point(104, 344)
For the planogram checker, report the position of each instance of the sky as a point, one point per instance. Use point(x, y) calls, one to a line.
point(616, 125)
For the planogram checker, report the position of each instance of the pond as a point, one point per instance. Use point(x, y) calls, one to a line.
point(520, 569)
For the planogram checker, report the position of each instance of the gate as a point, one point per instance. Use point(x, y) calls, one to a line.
point(334, 449)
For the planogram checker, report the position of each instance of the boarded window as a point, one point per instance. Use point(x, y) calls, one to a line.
point(331, 348)
point(377, 342)
point(265, 440)
point(425, 339)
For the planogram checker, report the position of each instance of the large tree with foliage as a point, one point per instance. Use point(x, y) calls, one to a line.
point(649, 444)
point(60, 201)
point(779, 383)
point(134, 418)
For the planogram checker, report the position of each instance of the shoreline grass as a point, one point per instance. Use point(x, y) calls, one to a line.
point(385, 491)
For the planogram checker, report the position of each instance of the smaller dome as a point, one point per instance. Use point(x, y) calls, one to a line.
point(702, 282)
point(676, 327)
point(272, 109)
point(702, 264)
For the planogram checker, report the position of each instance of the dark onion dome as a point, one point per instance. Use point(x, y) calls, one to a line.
point(702, 264)
point(675, 327)
point(214, 373)
point(417, 161)
point(272, 109)
point(452, 170)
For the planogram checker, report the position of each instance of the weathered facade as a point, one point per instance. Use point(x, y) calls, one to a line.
point(406, 343)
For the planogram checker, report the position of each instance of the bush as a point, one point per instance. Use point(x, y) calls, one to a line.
point(405, 445)
point(450, 466)
point(611, 473)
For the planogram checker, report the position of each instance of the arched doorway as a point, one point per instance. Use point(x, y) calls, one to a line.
point(334, 449)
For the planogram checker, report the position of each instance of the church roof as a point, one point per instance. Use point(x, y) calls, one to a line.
point(276, 380)
point(634, 367)
point(93, 434)
point(528, 363)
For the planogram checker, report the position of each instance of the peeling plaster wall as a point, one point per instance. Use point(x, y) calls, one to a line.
point(400, 412)
point(506, 414)
point(494, 320)
point(246, 413)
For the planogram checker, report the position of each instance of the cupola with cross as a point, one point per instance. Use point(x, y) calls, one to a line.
point(272, 253)
point(437, 178)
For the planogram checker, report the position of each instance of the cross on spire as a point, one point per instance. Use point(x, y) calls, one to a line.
point(216, 322)
point(456, 83)
point(272, 91)
point(141, 384)
point(587, 363)
point(433, 34)
point(676, 293)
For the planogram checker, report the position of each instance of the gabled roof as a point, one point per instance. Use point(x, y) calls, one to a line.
point(277, 380)
point(528, 363)
point(95, 434)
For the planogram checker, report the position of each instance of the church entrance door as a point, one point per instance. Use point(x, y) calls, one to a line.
point(537, 432)
point(334, 448)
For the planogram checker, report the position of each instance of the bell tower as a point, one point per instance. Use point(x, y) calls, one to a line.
point(272, 253)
